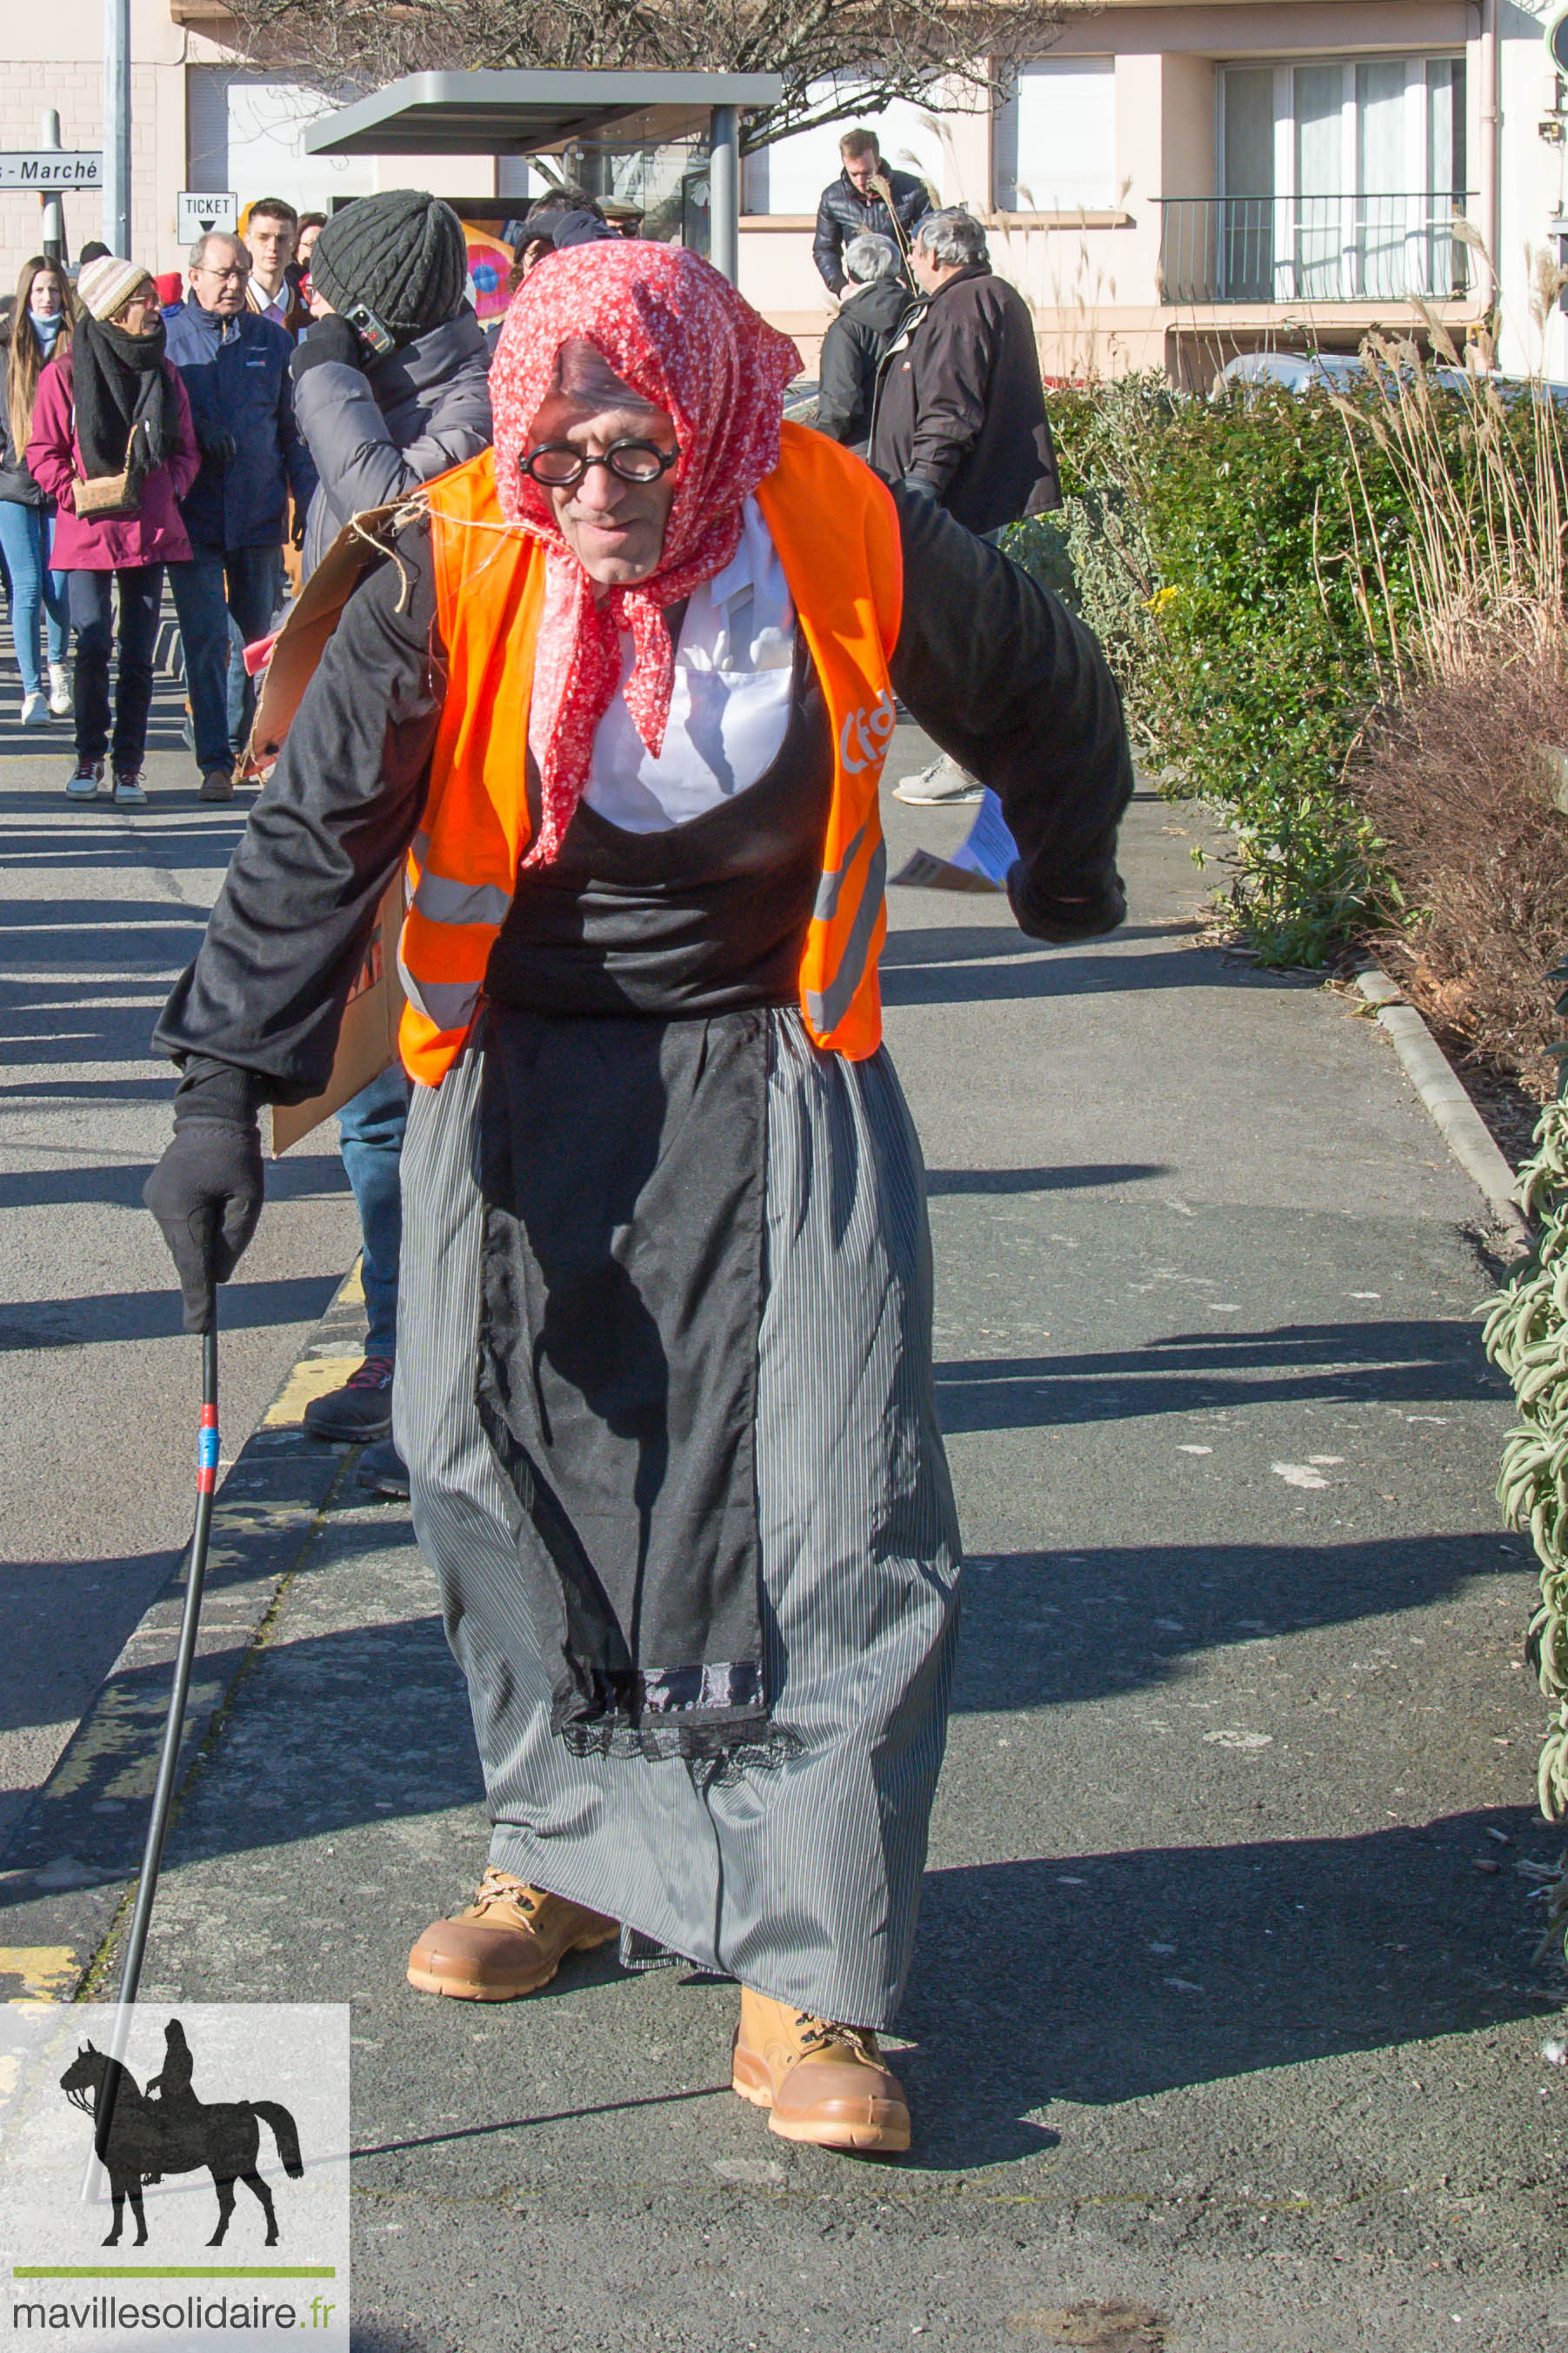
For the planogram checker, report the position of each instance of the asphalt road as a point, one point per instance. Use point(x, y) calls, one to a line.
point(1224, 2029)
point(100, 908)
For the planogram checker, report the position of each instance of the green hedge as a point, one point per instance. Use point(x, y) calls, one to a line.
point(1214, 552)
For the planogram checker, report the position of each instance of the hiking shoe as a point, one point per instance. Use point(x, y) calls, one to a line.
point(85, 780)
point(944, 781)
point(512, 1940)
point(382, 1471)
point(35, 711)
point(217, 785)
point(128, 789)
point(820, 2082)
point(60, 692)
point(357, 1414)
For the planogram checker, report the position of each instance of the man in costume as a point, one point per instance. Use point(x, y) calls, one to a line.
point(622, 695)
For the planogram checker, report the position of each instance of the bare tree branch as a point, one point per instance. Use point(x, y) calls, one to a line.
point(872, 51)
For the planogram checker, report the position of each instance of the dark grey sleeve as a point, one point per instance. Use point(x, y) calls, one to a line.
point(288, 935)
point(1003, 676)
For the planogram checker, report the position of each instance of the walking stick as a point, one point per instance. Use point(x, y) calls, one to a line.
point(169, 1761)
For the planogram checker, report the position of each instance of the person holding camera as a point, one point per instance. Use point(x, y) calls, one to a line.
point(234, 367)
point(391, 381)
point(391, 388)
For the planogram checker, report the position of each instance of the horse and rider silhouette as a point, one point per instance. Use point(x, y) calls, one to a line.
point(141, 2136)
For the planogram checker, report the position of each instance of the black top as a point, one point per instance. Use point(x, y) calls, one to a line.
point(990, 664)
point(698, 918)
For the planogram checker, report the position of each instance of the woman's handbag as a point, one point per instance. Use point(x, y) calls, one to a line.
point(107, 496)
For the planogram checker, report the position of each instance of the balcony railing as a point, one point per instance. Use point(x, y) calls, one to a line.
point(1345, 249)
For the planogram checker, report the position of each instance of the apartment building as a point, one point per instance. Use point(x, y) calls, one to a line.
point(1173, 183)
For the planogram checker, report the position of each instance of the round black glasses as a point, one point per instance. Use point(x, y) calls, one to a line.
point(559, 467)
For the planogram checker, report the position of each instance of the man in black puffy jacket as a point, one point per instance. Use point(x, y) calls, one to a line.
point(851, 208)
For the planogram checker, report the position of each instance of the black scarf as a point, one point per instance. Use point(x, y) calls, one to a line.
point(125, 417)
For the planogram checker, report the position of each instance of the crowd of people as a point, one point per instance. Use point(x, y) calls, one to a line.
point(647, 1268)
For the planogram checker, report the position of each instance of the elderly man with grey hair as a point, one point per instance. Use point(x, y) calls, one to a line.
point(961, 410)
point(235, 368)
point(874, 301)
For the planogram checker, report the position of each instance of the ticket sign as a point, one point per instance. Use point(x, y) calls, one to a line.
point(197, 213)
point(51, 168)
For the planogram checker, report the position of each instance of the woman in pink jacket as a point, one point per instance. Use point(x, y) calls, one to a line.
point(113, 445)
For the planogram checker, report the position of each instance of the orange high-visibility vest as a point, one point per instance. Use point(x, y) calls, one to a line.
point(835, 530)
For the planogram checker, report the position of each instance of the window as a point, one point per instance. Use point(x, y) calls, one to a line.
point(1056, 139)
point(246, 132)
point(1341, 178)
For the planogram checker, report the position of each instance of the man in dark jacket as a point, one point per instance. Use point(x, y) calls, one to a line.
point(874, 303)
point(234, 367)
point(851, 206)
point(961, 410)
point(391, 387)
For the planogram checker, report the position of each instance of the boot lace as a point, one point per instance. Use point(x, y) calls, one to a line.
point(499, 1886)
point(819, 2033)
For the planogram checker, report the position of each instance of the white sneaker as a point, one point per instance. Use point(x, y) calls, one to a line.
point(944, 781)
point(128, 789)
point(85, 780)
point(35, 711)
point(60, 692)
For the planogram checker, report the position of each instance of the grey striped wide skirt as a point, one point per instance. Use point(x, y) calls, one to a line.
point(799, 1875)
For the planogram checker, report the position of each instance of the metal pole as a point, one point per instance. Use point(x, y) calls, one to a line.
point(54, 235)
point(117, 126)
point(169, 1758)
point(724, 193)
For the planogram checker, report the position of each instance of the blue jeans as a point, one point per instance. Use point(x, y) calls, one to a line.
point(216, 583)
point(92, 594)
point(371, 1130)
point(26, 536)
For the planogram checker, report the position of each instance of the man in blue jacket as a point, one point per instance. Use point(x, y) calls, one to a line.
point(235, 369)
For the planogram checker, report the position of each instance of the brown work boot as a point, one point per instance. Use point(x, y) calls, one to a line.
point(823, 2083)
point(512, 1940)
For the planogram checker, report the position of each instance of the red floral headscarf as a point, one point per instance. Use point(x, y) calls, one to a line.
point(678, 333)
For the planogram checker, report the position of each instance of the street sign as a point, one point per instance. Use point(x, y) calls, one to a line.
point(51, 167)
point(1556, 32)
point(196, 213)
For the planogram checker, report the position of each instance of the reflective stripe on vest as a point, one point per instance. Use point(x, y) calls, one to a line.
point(836, 530)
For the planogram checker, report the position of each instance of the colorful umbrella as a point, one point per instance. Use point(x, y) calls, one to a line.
point(490, 266)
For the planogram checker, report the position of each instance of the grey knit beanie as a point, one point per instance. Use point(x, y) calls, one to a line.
point(401, 254)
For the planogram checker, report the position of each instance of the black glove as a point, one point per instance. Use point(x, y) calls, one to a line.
point(331, 338)
point(206, 1194)
point(220, 447)
point(1062, 921)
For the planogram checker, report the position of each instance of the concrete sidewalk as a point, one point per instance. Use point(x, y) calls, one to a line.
point(1224, 2010)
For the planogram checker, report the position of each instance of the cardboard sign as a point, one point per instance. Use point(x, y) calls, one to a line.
point(367, 1042)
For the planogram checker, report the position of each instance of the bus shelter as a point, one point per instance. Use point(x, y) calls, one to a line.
point(525, 113)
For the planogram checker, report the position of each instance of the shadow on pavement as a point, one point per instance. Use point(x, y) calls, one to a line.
point(943, 1181)
point(1044, 1630)
point(155, 1314)
point(1177, 1965)
point(1352, 1363)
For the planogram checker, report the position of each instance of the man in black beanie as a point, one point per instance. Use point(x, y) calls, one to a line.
point(390, 389)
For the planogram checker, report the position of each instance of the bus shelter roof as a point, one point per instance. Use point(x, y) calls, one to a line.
point(520, 112)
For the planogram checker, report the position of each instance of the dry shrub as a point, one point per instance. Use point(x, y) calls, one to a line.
point(1459, 782)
